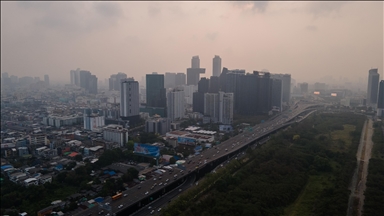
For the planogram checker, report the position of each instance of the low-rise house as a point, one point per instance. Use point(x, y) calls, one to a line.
point(31, 181)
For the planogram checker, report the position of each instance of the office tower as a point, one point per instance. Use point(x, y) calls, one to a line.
point(373, 87)
point(46, 79)
point(175, 104)
point(380, 100)
point(88, 82)
point(226, 103)
point(264, 92)
point(211, 106)
point(286, 79)
point(180, 79)
point(114, 81)
point(193, 75)
point(170, 80)
point(156, 124)
point(155, 90)
point(304, 88)
point(195, 62)
point(277, 95)
point(198, 97)
point(216, 67)
point(129, 98)
point(214, 84)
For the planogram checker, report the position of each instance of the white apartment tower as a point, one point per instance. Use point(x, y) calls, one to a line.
point(226, 108)
point(129, 98)
point(176, 104)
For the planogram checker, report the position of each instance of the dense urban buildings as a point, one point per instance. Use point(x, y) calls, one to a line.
point(193, 75)
point(216, 66)
point(373, 87)
point(129, 100)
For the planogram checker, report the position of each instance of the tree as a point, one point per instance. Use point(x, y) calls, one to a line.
point(130, 145)
point(172, 160)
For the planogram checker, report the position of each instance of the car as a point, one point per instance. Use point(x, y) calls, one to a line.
point(125, 195)
point(107, 203)
point(154, 179)
point(160, 177)
point(120, 206)
point(159, 209)
point(153, 211)
point(146, 193)
point(101, 212)
point(108, 214)
point(149, 207)
point(160, 183)
point(165, 184)
point(180, 190)
point(139, 187)
point(167, 180)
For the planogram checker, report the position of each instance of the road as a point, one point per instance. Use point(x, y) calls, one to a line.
point(164, 200)
point(233, 144)
point(359, 178)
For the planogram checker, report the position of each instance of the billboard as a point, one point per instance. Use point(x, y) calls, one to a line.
point(146, 149)
point(185, 140)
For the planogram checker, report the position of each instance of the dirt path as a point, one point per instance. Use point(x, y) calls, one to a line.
point(357, 187)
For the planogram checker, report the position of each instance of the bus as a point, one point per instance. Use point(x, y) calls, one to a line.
point(117, 196)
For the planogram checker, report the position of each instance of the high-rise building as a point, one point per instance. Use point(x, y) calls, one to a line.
point(75, 77)
point(115, 133)
point(198, 97)
point(277, 95)
point(195, 62)
point(373, 87)
point(92, 120)
point(286, 79)
point(114, 81)
point(92, 87)
point(129, 99)
point(156, 94)
point(214, 84)
point(176, 104)
point(193, 75)
point(170, 80)
point(226, 108)
point(304, 88)
point(216, 70)
point(211, 106)
point(180, 79)
point(156, 124)
point(188, 93)
point(88, 82)
point(46, 79)
point(380, 100)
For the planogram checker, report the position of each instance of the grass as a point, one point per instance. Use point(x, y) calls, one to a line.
point(304, 203)
point(341, 141)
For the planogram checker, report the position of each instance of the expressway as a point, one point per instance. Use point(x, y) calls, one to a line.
point(142, 194)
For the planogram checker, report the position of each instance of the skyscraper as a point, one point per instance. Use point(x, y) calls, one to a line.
point(75, 77)
point(155, 90)
point(195, 62)
point(286, 79)
point(169, 80)
point(92, 88)
point(216, 66)
point(129, 100)
point(193, 75)
point(46, 79)
point(180, 79)
point(214, 84)
point(380, 100)
point(87, 81)
point(175, 104)
point(277, 94)
point(211, 106)
point(198, 97)
point(373, 87)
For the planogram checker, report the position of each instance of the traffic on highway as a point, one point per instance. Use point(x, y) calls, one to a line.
point(119, 202)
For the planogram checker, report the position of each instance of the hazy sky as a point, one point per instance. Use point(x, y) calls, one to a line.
point(306, 39)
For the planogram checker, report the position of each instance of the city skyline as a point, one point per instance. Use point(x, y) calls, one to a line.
point(327, 38)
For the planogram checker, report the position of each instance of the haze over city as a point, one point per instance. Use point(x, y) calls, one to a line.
point(309, 40)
